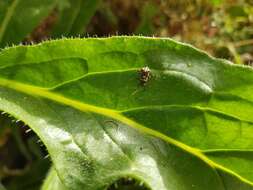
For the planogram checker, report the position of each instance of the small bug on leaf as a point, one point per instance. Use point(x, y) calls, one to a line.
point(145, 75)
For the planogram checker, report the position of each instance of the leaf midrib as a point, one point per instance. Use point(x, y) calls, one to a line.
point(206, 151)
point(210, 90)
point(202, 108)
point(43, 93)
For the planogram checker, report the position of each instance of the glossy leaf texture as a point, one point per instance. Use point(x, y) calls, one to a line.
point(188, 127)
point(73, 17)
point(19, 17)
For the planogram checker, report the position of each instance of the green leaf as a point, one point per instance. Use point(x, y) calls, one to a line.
point(237, 11)
point(52, 181)
point(189, 127)
point(217, 2)
point(19, 17)
point(74, 16)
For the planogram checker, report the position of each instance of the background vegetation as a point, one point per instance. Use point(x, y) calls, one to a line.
point(224, 28)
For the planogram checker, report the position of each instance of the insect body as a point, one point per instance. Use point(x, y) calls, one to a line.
point(145, 75)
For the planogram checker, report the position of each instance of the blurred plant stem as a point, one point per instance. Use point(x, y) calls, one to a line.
point(233, 51)
point(20, 143)
point(243, 43)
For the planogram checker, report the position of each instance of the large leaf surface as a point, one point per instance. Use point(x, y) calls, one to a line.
point(19, 17)
point(189, 127)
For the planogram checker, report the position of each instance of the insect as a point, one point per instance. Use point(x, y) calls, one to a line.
point(145, 75)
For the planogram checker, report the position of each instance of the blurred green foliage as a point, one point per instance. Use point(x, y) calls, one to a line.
point(224, 28)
